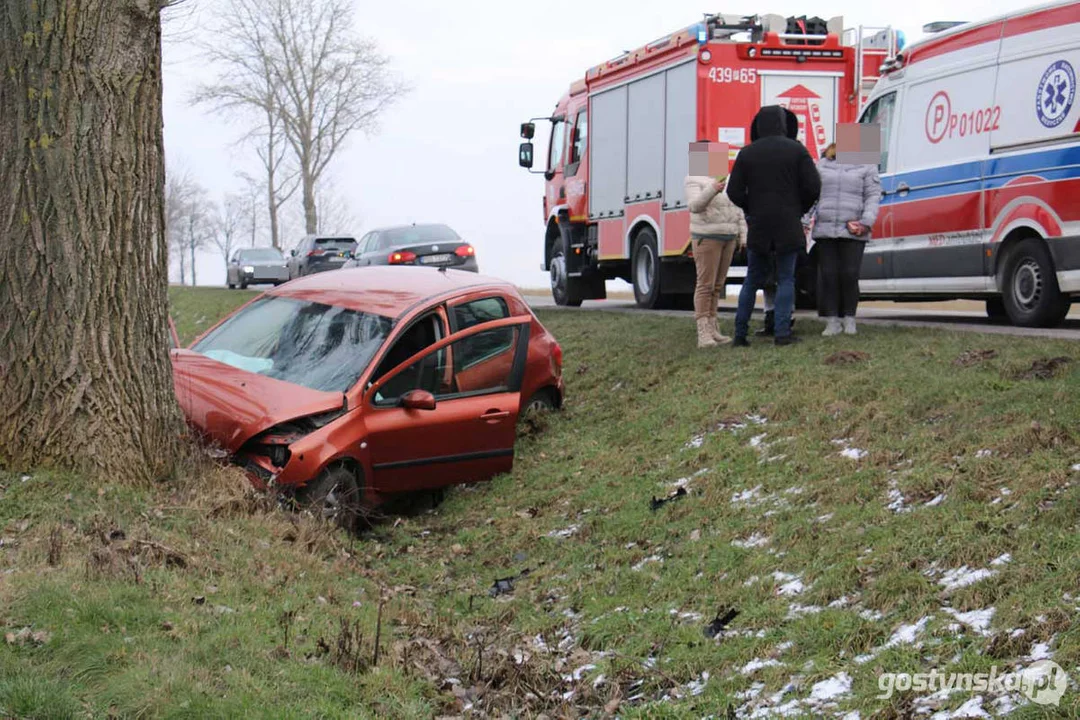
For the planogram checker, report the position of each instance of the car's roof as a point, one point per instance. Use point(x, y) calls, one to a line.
point(385, 290)
point(413, 225)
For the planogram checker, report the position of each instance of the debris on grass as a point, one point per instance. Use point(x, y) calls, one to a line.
point(720, 622)
point(936, 500)
point(970, 358)
point(28, 636)
point(656, 503)
point(789, 584)
point(847, 451)
point(847, 357)
point(755, 540)
point(1042, 369)
point(564, 533)
point(651, 559)
point(754, 665)
point(505, 586)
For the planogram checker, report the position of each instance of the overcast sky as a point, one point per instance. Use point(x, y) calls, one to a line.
point(448, 151)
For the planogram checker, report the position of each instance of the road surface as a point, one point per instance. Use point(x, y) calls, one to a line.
point(955, 316)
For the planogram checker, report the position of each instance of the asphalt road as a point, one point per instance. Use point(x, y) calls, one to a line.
point(943, 316)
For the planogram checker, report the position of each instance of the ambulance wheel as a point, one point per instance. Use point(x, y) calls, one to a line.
point(564, 289)
point(1030, 289)
point(645, 271)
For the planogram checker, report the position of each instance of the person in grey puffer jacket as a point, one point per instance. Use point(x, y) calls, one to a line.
point(845, 212)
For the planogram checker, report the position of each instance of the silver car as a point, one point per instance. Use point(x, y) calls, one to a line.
point(256, 266)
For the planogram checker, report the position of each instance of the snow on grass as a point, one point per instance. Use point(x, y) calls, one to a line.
point(1041, 651)
point(789, 584)
point(754, 665)
point(1002, 560)
point(796, 611)
point(824, 518)
point(977, 620)
point(896, 498)
point(646, 561)
point(755, 540)
point(906, 634)
point(936, 501)
point(565, 533)
point(963, 577)
point(971, 709)
point(853, 453)
point(757, 440)
point(747, 497)
point(831, 689)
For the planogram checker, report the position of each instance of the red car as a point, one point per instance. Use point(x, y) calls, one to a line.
point(345, 387)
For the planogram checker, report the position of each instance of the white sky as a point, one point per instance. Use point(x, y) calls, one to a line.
point(448, 151)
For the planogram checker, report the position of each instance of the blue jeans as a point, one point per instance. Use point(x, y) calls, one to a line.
point(757, 274)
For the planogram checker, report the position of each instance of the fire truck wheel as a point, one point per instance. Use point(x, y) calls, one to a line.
point(1030, 288)
point(645, 270)
point(566, 290)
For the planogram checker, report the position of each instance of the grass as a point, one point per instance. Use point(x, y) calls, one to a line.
point(209, 603)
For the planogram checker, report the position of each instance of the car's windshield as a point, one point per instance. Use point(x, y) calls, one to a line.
point(261, 255)
point(341, 243)
point(322, 347)
point(418, 234)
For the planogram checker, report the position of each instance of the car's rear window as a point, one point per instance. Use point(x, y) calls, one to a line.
point(262, 255)
point(335, 243)
point(322, 347)
point(418, 234)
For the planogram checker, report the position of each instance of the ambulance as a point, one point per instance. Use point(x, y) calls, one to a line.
point(618, 142)
point(980, 167)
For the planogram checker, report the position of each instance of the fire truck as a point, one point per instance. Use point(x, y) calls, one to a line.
point(618, 150)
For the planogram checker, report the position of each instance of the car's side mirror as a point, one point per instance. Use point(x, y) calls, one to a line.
point(525, 155)
point(418, 400)
point(293, 252)
point(528, 130)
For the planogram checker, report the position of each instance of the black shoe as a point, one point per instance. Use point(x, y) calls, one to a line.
point(770, 325)
point(740, 342)
point(788, 340)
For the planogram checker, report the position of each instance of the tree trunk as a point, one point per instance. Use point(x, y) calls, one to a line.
point(183, 267)
point(311, 217)
point(87, 383)
point(194, 282)
point(275, 230)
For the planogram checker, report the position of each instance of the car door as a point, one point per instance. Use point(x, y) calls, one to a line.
point(468, 434)
point(877, 258)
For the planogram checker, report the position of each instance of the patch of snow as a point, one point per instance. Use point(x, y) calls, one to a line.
point(906, 634)
point(853, 715)
point(863, 659)
point(751, 693)
point(840, 602)
point(832, 688)
point(646, 561)
point(1040, 651)
point(853, 453)
point(757, 419)
point(695, 443)
point(963, 577)
point(984, 453)
point(696, 687)
point(758, 439)
point(1018, 632)
point(785, 646)
point(871, 615)
point(797, 611)
point(1004, 559)
point(755, 540)
point(1076, 467)
point(937, 500)
point(746, 496)
point(754, 665)
point(565, 533)
point(971, 709)
point(824, 518)
point(977, 620)
point(790, 584)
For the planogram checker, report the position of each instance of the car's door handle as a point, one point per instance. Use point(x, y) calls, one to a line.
point(903, 189)
point(493, 415)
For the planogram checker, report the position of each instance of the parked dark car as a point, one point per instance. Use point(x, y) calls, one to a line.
point(318, 253)
point(256, 266)
point(433, 245)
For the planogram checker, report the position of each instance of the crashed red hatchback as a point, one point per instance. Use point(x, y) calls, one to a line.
point(345, 387)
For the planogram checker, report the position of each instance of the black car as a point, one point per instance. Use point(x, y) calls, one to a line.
point(317, 253)
point(432, 245)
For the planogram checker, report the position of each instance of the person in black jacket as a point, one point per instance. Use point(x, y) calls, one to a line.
point(775, 182)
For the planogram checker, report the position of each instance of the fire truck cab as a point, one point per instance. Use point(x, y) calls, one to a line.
point(618, 150)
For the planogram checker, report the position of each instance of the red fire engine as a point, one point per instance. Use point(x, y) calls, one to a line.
point(619, 145)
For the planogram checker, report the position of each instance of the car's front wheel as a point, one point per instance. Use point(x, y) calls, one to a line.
point(334, 496)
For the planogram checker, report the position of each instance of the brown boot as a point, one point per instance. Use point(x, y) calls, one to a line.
point(704, 336)
point(714, 330)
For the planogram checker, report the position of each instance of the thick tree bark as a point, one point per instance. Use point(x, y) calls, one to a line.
point(85, 379)
point(311, 216)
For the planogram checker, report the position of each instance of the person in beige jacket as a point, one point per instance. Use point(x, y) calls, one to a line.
point(717, 230)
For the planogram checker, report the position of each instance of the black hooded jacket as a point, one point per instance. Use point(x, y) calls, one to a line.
point(775, 182)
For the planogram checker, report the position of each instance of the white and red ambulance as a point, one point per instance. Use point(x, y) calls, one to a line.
point(618, 146)
point(981, 167)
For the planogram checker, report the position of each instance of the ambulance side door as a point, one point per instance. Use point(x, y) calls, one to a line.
point(877, 258)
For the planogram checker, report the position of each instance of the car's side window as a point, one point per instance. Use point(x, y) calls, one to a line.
point(881, 113)
point(480, 347)
point(434, 373)
point(423, 333)
point(364, 246)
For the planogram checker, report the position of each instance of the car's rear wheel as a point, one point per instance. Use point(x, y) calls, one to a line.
point(334, 496)
point(1030, 289)
point(542, 401)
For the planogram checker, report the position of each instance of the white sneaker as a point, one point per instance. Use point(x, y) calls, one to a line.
point(832, 327)
point(849, 326)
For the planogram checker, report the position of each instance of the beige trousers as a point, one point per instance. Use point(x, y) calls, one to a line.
point(713, 259)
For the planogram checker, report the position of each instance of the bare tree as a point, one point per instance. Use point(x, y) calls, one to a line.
point(87, 384)
point(335, 213)
point(196, 224)
point(247, 85)
point(228, 224)
point(250, 194)
point(178, 191)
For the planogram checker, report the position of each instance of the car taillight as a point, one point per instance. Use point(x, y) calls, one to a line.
point(315, 253)
point(401, 257)
point(465, 251)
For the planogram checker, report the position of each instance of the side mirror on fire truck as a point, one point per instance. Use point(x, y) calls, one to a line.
point(525, 155)
point(528, 130)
